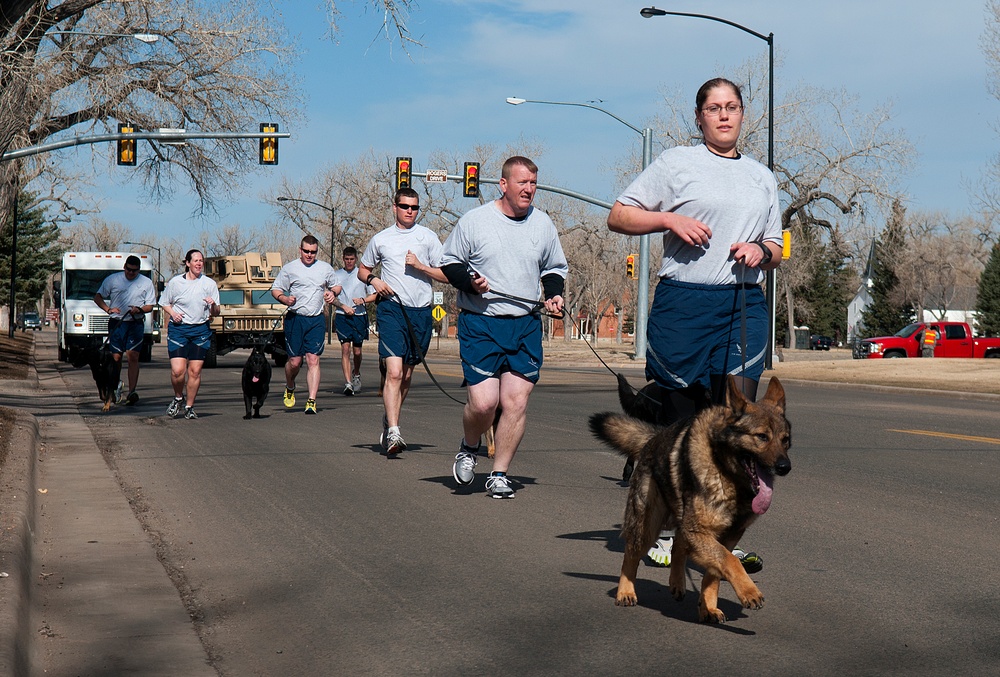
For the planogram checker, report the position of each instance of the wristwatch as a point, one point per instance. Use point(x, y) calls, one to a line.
point(767, 252)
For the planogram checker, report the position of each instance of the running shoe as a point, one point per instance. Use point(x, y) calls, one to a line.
point(118, 392)
point(356, 383)
point(396, 444)
point(189, 413)
point(348, 389)
point(289, 398)
point(497, 486)
point(132, 399)
point(660, 552)
point(384, 437)
point(465, 464)
point(310, 406)
point(175, 407)
point(751, 561)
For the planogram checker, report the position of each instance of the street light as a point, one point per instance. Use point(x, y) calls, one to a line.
point(159, 271)
point(148, 38)
point(649, 12)
point(642, 298)
point(333, 219)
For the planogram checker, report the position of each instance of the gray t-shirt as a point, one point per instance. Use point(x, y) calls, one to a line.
point(307, 284)
point(736, 197)
point(120, 292)
point(188, 297)
point(353, 288)
point(389, 248)
point(511, 254)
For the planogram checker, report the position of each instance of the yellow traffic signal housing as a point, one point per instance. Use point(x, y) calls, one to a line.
point(786, 245)
point(126, 147)
point(268, 144)
point(630, 266)
point(471, 183)
point(403, 165)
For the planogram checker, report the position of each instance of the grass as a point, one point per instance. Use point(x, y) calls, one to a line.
point(15, 356)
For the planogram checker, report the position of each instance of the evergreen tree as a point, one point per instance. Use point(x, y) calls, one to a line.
point(38, 254)
point(886, 315)
point(988, 300)
point(829, 293)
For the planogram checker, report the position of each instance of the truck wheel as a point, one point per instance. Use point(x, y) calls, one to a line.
point(212, 357)
point(892, 354)
point(146, 351)
point(279, 360)
point(63, 354)
point(995, 353)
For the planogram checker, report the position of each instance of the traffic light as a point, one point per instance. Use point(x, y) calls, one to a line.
point(126, 147)
point(630, 266)
point(268, 144)
point(471, 183)
point(786, 245)
point(403, 165)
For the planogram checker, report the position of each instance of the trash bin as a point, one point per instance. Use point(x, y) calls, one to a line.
point(802, 338)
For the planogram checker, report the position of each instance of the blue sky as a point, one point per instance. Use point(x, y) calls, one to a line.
point(922, 57)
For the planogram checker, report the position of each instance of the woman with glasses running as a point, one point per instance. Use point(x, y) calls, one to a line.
point(719, 215)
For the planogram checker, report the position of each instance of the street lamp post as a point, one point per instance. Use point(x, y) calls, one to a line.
point(333, 220)
point(642, 298)
point(648, 12)
point(159, 271)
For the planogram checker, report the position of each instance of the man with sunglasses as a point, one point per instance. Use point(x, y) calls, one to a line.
point(408, 254)
point(305, 285)
point(129, 297)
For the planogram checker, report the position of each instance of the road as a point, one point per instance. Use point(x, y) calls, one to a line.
point(304, 551)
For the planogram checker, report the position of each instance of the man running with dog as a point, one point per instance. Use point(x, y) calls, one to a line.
point(352, 319)
point(408, 254)
point(304, 285)
point(505, 248)
point(126, 296)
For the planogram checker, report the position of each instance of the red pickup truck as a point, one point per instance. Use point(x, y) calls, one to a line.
point(954, 339)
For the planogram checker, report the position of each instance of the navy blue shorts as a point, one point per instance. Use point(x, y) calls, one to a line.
point(304, 334)
point(352, 328)
point(489, 346)
point(190, 341)
point(394, 338)
point(123, 336)
point(694, 333)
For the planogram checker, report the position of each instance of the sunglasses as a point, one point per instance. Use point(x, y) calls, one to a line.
point(131, 270)
point(415, 208)
point(309, 251)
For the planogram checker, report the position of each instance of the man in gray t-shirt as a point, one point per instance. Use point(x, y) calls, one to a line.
point(305, 286)
point(408, 255)
point(502, 250)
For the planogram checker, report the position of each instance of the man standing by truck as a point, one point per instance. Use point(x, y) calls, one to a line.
point(126, 296)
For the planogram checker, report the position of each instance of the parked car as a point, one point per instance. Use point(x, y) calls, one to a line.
point(817, 342)
point(31, 321)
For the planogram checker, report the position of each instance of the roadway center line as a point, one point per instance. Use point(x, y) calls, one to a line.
point(931, 433)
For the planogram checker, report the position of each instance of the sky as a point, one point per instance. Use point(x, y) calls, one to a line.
point(921, 57)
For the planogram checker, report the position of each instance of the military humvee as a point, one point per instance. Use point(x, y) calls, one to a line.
point(249, 313)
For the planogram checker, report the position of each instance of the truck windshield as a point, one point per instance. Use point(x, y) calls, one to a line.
point(907, 331)
point(81, 285)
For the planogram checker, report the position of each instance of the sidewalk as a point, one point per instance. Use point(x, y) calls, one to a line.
point(85, 592)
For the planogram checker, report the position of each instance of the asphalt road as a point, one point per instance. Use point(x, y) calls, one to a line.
point(304, 551)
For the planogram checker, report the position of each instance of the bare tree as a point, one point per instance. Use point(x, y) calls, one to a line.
point(96, 235)
point(73, 66)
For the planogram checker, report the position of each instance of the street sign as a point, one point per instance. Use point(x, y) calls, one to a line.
point(438, 298)
point(436, 176)
point(438, 313)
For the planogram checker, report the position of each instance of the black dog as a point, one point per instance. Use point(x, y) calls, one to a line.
point(107, 372)
point(256, 381)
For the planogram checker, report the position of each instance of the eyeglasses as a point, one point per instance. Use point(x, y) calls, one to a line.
point(714, 109)
point(309, 251)
point(415, 208)
point(131, 270)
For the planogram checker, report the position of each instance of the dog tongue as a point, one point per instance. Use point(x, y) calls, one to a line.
point(256, 378)
point(762, 501)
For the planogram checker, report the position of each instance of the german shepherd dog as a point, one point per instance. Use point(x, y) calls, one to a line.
point(256, 381)
point(707, 477)
point(106, 371)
